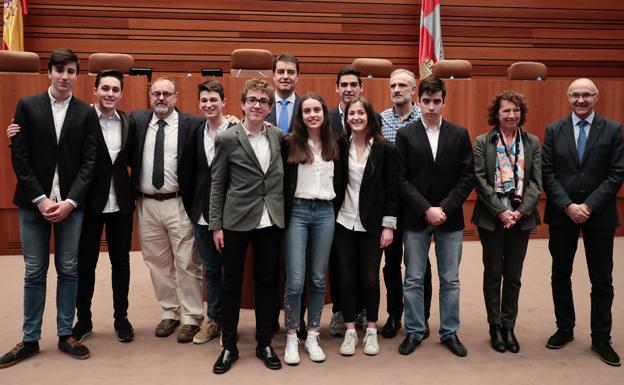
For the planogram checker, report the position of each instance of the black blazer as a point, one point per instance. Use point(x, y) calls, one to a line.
point(594, 181)
point(445, 182)
point(291, 174)
point(489, 204)
point(272, 117)
point(336, 120)
point(187, 159)
point(36, 153)
point(201, 197)
point(378, 191)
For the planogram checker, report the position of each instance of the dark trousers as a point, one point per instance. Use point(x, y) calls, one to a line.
point(359, 257)
point(393, 279)
point(265, 244)
point(119, 239)
point(599, 255)
point(503, 255)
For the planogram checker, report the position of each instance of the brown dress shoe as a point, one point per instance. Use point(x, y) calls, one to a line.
point(166, 327)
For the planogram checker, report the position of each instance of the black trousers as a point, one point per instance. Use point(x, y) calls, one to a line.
point(359, 258)
point(265, 244)
point(503, 256)
point(119, 239)
point(599, 255)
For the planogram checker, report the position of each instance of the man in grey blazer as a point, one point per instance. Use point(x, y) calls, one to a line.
point(582, 174)
point(247, 205)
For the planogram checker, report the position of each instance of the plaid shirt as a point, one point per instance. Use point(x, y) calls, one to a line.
point(391, 122)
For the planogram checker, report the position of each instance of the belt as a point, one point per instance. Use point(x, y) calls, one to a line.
point(159, 196)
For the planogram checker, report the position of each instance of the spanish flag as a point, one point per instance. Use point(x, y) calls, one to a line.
point(13, 32)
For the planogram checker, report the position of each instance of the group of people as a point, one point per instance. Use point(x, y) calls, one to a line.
point(290, 177)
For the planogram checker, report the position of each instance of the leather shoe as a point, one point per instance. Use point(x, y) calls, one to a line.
point(166, 327)
point(496, 338)
point(560, 339)
point(605, 350)
point(391, 328)
point(455, 346)
point(511, 343)
point(268, 356)
point(409, 344)
point(225, 361)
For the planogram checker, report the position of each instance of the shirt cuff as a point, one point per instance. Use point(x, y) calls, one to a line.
point(389, 222)
point(72, 202)
point(39, 199)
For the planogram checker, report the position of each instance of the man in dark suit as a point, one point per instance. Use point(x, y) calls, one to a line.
point(247, 205)
point(53, 159)
point(285, 74)
point(583, 169)
point(164, 176)
point(436, 174)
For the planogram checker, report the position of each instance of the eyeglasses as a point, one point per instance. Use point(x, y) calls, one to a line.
point(584, 95)
point(158, 94)
point(251, 101)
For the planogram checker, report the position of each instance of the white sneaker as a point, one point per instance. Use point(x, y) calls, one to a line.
point(312, 347)
point(371, 346)
point(350, 342)
point(291, 353)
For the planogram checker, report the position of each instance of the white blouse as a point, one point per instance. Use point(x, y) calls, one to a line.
point(316, 180)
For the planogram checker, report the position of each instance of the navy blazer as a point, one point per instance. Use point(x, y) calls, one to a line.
point(594, 181)
point(272, 117)
point(445, 182)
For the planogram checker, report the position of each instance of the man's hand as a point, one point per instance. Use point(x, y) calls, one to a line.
point(44, 206)
point(387, 236)
point(578, 213)
point(217, 237)
point(13, 130)
point(232, 119)
point(435, 216)
point(58, 211)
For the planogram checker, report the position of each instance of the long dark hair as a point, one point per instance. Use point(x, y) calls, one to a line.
point(299, 152)
point(373, 130)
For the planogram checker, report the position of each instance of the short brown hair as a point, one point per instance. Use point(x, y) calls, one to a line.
point(511, 96)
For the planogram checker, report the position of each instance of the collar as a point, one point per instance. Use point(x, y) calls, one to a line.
point(589, 119)
point(170, 120)
point(54, 101)
point(221, 128)
point(249, 133)
point(411, 113)
point(291, 98)
point(437, 126)
point(99, 113)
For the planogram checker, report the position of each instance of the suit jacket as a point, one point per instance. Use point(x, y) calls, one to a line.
point(445, 182)
point(187, 145)
point(336, 120)
point(106, 169)
point(201, 197)
point(291, 173)
point(272, 117)
point(239, 188)
point(594, 181)
point(378, 191)
point(489, 204)
point(36, 153)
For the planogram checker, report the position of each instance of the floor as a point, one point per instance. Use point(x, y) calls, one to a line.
point(154, 361)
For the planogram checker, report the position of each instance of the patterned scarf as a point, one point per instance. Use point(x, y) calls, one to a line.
point(509, 180)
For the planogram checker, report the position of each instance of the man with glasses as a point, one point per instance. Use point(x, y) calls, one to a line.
point(583, 169)
point(247, 205)
point(164, 176)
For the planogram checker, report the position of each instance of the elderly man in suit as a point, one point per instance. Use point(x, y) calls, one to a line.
point(247, 205)
point(53, 158)
point(285, 74)
point(436, 174)
point(583, 169)
point(164, 176)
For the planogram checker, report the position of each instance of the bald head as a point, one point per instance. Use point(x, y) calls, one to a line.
point(582, 96)
point(583, 83)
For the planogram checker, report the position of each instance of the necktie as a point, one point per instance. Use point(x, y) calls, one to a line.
point(582, 139)
point(158, 174)
point(283, 117)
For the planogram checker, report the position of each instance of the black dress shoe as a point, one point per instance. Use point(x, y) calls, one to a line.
point(409, 344)
point(496, 338)
point(560, 339)
point(427, 330)
point(391, 328)
point(455, 346)
point(225, 361)
point(605, 350)
point(268, 356)
point(511, 343)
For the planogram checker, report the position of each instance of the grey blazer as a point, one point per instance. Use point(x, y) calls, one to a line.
point(489, 205)
point(239, 188)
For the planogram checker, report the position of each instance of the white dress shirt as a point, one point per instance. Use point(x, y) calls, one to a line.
point(433, 133)
point(209, 149)
point(260, 145)
point(111, 131)
point(316, 180)
point(171, 156)
point(349, 214)
point(290, 107)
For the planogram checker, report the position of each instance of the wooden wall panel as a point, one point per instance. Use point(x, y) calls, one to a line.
point(573, 37)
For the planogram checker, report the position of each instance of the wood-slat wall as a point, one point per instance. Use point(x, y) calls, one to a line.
point(573, 37)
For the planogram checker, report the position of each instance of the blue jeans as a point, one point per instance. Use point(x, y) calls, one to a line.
point(211, 260)
point(448, 248)
point(307, 240)
point(35, 237)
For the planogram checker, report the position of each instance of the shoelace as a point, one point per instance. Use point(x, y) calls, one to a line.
point(18, 348)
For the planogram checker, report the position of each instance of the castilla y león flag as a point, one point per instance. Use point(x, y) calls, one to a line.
point(430, 49)
point(13, 31)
